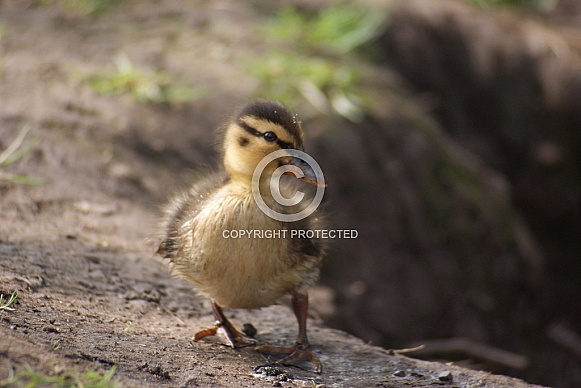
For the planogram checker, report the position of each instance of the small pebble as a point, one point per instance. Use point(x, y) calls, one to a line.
point(268, 371)
point(399, 373)
point(249, 330)
point(445, 376)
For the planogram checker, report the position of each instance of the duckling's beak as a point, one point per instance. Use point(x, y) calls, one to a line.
point(309, 175)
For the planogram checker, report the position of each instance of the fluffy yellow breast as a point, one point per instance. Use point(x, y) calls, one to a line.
point(240, 271)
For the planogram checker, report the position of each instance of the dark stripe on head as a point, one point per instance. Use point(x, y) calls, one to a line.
point(249, 129)
point(275, 113)
point(282, 144)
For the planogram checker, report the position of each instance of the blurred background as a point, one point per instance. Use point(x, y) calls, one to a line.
point(450, 132)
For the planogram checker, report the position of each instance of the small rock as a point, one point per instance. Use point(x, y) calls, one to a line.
point(272, 373)
point(445, 376)
point(249, 330)
point(268, 371)
point(399, 373)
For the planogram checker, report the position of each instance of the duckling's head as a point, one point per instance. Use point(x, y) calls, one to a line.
point(259, 128)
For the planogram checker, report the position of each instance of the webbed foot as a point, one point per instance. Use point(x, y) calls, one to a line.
point(294, 355)
point(233, 337)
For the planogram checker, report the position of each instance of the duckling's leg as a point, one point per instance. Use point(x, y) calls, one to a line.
point(301, 350)
point(234, 338)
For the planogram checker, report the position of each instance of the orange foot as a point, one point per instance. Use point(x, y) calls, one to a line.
point(233, 337)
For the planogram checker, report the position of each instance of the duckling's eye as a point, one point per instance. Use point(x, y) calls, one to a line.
point(270, 136)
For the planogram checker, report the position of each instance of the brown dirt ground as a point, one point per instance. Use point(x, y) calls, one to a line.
point(77, 248)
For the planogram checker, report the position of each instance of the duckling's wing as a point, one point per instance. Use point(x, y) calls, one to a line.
point(183, 207)
point(305, 243)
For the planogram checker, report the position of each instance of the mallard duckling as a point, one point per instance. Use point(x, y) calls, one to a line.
point(246, 273)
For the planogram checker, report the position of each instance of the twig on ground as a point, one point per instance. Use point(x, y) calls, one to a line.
point(406, 350)
point(474, 349)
